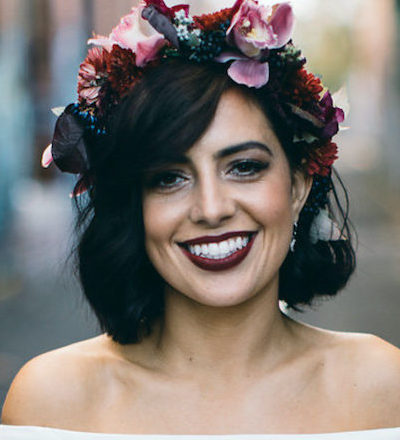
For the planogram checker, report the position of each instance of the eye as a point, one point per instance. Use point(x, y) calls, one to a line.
point(248, 167)
point(167, 180)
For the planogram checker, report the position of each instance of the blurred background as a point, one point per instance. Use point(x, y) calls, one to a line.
point(351, 44)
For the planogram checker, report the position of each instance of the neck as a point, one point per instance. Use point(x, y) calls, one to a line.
point(237, 340)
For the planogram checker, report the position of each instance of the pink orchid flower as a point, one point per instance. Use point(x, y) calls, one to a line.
point(256, 27)
point(254, 30)
point(135, 34)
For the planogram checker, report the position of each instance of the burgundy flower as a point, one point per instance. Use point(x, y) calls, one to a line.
point(304, 87)
point(322, 159)
point(166, 10)
point(122, 70)
point(331, 116)
point(211, 22)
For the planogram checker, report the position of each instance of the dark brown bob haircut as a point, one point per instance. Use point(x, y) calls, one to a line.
point(165, 113)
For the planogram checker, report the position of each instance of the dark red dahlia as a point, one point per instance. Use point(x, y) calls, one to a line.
point(211, 22)
point(322, 159)
point(305, 87)
point(122, 71)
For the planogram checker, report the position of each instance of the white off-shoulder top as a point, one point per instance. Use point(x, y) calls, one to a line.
point(13, 432)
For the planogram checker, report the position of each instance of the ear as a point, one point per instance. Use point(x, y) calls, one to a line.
point(301, 187)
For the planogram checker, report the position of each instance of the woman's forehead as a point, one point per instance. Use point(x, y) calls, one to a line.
point(238, 120)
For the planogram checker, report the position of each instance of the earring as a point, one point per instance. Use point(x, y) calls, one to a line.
point(293, 242)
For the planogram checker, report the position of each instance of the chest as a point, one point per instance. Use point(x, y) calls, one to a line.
point(263, 406)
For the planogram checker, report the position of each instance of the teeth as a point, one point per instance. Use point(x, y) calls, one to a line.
point(223, 247)
point(219, 250)
point(214, 249)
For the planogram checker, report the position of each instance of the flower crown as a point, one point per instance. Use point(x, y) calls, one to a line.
point(253, 39)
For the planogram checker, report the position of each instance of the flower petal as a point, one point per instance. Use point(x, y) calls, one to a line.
point(177, 8)
point(228, 56)
point(249, 72)
point(68, 147)
point(327, 100)
point(100, 40)
point(147, 49)
point(282, 22)
point(339, 114)
point(47, 157)
point(127, 33)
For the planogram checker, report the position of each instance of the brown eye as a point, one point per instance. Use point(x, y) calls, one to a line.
point(248, 167)
point(167, 180)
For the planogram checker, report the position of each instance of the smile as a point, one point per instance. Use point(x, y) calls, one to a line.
point(219, 252)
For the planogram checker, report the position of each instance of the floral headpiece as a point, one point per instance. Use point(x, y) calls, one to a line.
point(253, 39)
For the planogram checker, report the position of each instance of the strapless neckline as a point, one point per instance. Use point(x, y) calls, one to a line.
point(16, 432)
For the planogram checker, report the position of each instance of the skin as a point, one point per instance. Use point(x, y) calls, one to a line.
point(225, 359)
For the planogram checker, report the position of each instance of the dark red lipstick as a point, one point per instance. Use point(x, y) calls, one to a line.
point(215, 264)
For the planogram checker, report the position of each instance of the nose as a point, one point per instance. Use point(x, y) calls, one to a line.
point(212, 202)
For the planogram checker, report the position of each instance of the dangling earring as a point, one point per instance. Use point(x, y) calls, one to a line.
point(293, 242)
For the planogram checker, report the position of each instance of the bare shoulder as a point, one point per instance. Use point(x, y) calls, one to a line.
point(373, 366)
point(370, 357)
point(54, 385)
point(364, 369)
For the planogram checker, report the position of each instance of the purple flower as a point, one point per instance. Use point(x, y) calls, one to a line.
point(330, 115)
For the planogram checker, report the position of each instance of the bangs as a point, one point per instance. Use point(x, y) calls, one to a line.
point(164, 116)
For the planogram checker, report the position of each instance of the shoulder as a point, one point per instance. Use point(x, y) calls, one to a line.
point(54, 384)
point(368, 368)
point(360, 370)
point(369, 356)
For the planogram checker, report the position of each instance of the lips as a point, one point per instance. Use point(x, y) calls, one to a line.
point(219, 252)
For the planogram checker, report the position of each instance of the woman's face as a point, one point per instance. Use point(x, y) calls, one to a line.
point(218, 225)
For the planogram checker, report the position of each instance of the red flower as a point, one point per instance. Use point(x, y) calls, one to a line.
point(122, 70)
point(166, 10)
point(321, 159)
point(305, 87)
point(211, 22)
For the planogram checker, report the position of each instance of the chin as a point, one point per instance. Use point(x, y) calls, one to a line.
point(221, 290)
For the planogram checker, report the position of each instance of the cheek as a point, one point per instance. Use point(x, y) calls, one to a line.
point(271, 200)
point(161, 219)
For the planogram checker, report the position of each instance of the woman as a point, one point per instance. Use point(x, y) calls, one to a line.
point(205, 196)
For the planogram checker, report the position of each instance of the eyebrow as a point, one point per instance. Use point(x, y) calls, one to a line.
point(250, 145)
point(228, 151)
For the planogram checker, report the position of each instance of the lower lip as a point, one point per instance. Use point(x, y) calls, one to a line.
point(223, 263)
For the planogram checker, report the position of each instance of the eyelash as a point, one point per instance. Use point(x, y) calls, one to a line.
point(252, 169)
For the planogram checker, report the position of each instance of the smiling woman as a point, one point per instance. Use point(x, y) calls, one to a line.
point(205, 197)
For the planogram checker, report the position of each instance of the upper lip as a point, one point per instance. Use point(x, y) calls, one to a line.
point(215, 238)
